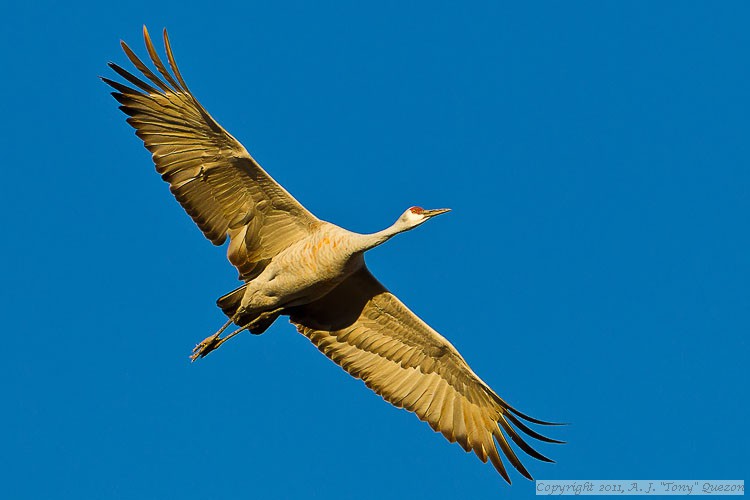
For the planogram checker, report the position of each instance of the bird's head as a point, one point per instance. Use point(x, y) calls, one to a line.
point(414, 216)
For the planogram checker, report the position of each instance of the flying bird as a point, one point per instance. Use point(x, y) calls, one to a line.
point(312, 271)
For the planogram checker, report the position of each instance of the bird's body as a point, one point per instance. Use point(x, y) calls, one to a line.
point(306, 270)
point(310, 268)
point(294, 264)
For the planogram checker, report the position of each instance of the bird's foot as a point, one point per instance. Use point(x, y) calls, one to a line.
point(207, 345)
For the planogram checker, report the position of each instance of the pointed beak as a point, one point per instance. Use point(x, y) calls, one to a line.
point(434, 212)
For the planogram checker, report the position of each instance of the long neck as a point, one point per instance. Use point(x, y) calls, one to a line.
point(368, 241)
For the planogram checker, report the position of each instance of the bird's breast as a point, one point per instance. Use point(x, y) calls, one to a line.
point(311, 268)
point(325, 256)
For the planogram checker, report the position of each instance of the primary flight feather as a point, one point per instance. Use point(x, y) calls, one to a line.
point(297, 265)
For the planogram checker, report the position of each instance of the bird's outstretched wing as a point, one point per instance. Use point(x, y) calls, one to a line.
point(210, 173)
point(374, 337)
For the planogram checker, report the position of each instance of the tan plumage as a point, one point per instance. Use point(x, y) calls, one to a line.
point(295, 264)
point(210, 173)
point(372, 335)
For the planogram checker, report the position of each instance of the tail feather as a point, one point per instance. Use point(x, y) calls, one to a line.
point(230, 302)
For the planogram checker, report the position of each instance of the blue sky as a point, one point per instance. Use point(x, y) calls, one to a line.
point(594, 269)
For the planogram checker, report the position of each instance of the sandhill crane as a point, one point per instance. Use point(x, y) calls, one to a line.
point(297, 265)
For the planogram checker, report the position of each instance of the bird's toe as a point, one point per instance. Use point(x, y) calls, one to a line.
point(205, 346)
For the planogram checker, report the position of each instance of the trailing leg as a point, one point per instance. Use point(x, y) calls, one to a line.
point(257, 326)
point(209, 343)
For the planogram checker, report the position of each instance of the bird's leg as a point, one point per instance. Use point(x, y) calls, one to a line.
point(213, 342)
point(261, 323)
point(221, 341)
point(209, 343)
